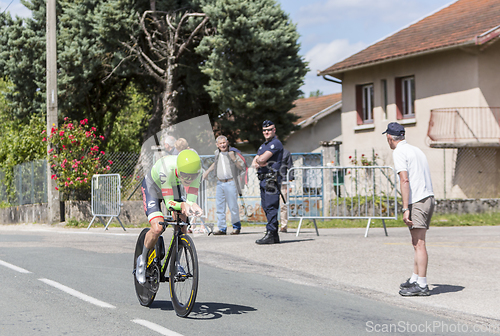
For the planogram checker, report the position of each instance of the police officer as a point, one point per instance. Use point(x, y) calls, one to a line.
point(268, 163)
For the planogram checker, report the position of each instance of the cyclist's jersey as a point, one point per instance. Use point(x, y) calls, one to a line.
point(162, 183)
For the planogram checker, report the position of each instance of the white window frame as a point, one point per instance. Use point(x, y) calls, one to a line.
point(408, 96)
point(367, 95)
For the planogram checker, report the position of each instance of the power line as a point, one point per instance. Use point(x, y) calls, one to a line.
point(7, 6)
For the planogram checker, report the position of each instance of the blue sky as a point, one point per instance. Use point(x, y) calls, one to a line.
point(332, 30)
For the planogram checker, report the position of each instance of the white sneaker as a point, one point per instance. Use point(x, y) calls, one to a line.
point(140, 271)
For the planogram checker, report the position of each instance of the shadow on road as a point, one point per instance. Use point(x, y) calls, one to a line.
point(441, 289)
point(215, 310)
point(295, 241)
point(207, 310)
point(162, 304)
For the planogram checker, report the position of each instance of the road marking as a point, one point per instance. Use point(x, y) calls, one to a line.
point(156, 327)
point(77, 294)
point(15, 268)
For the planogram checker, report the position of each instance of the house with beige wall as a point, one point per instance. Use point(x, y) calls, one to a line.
point(440, 78)
point(318, 119)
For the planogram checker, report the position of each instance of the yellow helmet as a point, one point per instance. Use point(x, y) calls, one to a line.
point(188, 161)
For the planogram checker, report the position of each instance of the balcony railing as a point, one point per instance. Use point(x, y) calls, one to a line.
point(464, 126)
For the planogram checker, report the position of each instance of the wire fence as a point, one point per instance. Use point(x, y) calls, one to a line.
point(126, 164)
point(29, 185)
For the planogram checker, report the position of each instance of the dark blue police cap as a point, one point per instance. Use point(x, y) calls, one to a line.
point(267, 123)
point(395, 129)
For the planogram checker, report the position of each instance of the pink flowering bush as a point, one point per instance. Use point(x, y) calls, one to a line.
point(364, 161)
point(74, 157)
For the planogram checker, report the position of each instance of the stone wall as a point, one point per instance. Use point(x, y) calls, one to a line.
point(132, 213)
point(31, 213)
point(465, 206)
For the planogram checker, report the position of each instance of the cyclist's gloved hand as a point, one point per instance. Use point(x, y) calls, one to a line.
point(191, 210)
point(195, 210)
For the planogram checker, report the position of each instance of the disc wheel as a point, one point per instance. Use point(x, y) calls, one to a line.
point(183, 276)
point(146, 292)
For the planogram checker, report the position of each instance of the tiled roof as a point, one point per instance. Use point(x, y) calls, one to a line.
point(458, 24)
point(307, 107)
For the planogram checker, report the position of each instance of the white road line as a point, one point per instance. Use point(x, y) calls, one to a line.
point(156, 327)
point(15, 268)
point(77, 294)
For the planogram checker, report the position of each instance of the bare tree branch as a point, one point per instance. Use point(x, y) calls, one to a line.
point(115, 68)
point(146, 62)
point(149, 38)
point(167, 18)
point(194, 33)
point(162, 45)
point(152, 64)
point(185, 17)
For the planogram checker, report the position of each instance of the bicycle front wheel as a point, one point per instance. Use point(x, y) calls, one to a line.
point(183, 276)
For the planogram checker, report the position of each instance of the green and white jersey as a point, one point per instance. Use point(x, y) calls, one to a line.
point(163, 183)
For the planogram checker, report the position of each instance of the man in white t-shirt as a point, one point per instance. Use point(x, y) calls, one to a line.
point(418, 203)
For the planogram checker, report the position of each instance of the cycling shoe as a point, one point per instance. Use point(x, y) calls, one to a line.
point(180, 272)
point(140, 271)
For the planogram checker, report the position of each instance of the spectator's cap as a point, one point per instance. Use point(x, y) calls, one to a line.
point(267, 123)
point(395, 129)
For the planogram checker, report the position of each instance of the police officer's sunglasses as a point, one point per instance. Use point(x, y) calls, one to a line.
point(268, 129)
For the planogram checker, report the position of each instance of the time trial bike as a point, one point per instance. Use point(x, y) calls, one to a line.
point(181, 261)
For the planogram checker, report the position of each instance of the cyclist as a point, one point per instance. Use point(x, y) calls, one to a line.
point(176, 180)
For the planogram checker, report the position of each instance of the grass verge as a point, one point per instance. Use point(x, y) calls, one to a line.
point(479, 219)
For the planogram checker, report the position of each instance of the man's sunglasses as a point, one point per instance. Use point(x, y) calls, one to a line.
point(268, 129)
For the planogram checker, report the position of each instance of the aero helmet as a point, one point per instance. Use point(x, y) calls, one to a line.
point(188, 162)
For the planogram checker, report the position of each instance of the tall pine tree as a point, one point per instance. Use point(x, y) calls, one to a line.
point(254, 67)
point(82, 65)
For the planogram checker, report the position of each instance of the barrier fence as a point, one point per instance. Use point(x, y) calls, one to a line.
point(106, 198)
point(351, 192)
point(250, 209)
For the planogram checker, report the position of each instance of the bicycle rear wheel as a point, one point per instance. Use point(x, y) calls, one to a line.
point(183, 276)
point(145, 292)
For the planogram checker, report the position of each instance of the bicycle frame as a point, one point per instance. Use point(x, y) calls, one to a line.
point(174, 242)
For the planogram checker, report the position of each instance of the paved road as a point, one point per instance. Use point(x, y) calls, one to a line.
point(80, 283)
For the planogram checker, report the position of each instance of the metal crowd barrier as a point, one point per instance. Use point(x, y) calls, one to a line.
point(351, 192)
point(203, 203)
point(106, 198)
point(250, 203)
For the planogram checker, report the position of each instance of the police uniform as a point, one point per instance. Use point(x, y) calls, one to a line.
point(270, 199)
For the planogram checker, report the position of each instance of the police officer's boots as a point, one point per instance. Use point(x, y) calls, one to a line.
point(276, 237)
point(269, 238)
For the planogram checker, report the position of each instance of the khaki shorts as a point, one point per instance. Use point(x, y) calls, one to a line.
point(421, 213)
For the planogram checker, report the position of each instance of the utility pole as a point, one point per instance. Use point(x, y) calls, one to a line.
point(54, 205)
